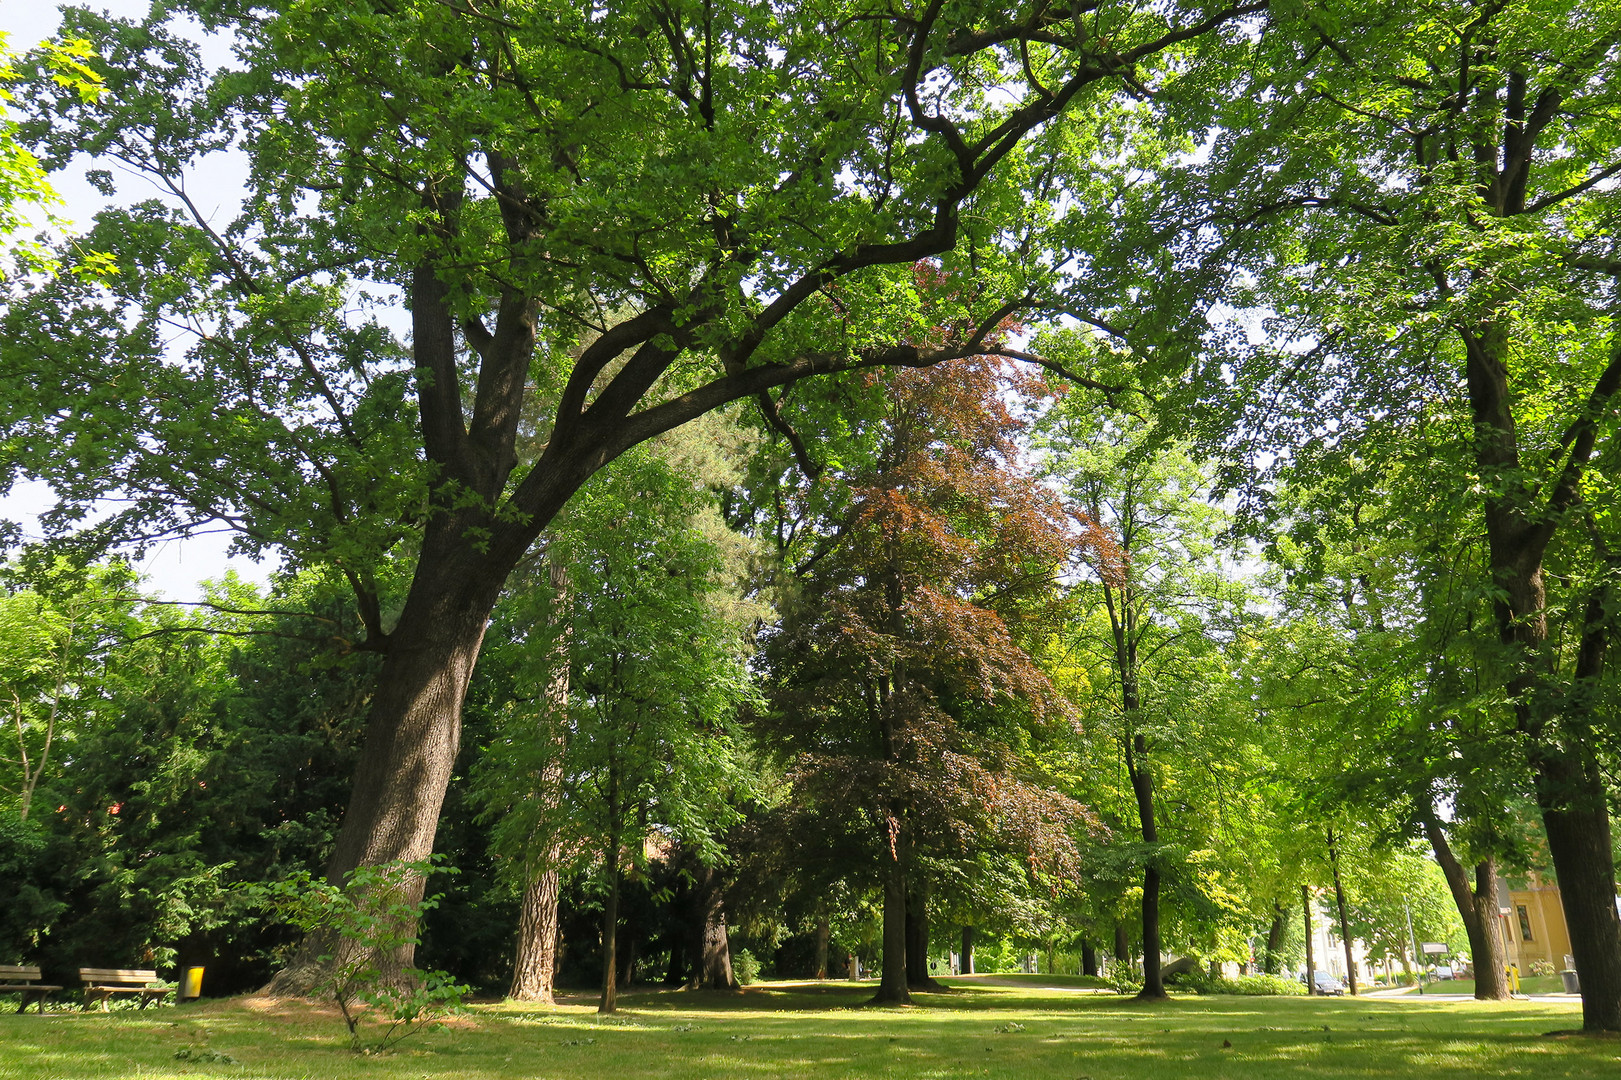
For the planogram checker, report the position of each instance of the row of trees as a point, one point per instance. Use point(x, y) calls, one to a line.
point(619, 743)
point(604, 223)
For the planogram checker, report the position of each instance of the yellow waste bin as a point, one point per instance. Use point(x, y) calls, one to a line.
point(192, 985)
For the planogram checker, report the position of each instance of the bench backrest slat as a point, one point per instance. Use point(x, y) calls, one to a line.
point(117, 975)
point(12, 971)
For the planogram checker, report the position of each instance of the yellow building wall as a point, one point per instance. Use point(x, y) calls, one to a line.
point(1550, 939)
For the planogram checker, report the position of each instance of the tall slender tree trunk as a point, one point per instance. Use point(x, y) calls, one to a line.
point(1122, 945)
point(965, 961)
point(1478, 907)
point(824, 933)
point(892, 982)
point(1345, 923)
point(610, 933)
point(896, 845)
point(1089, 957)
point(1311, 961)
point(1142, 783)
point(534, 968)
point(1121, 604)
point(1272, 962)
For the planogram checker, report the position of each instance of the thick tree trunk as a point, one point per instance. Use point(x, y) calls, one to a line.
point(676, 973)
point(534, 969)
point(1478, 907)
point(1311, 961)
point(1345, 923)
point(917, 934)
point(680, 936)
point(413, 732)
point(1577, 824)
point(892, 988)
point(711, 947)
point(824, 934)
point(1089, 958)
point(965, 961)
point(1272, 962)
point(1552, 709)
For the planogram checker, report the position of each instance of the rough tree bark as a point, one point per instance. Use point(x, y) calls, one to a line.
point(711, 948)
point(1479, 908)
point(412, 736)
point(534, 968)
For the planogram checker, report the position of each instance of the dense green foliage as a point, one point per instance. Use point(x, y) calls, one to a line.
point(1204, 503)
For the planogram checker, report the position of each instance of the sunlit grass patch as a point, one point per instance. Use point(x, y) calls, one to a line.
point(975, 1029)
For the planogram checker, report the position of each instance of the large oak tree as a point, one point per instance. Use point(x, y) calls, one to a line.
point(721, 198)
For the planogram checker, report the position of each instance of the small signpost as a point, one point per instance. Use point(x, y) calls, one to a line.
point(1432, 948)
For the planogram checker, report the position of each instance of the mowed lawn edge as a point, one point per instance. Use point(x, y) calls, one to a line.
point(978, 1027)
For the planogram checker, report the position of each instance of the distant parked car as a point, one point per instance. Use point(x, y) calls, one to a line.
point(1326, 984)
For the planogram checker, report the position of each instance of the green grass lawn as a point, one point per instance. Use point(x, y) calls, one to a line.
point(794, 1030)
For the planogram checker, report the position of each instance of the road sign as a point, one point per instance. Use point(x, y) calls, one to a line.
point(1430, 948)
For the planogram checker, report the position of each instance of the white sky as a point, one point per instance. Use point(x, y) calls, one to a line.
point(173, 569)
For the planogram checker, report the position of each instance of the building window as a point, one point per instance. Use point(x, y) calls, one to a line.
point(1525, 922)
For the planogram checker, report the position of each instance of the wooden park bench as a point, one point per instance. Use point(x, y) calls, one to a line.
point(24, 981)
point(100, 984)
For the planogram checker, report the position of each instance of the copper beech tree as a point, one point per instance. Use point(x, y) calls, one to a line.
point(900, 679)
point(679, 183)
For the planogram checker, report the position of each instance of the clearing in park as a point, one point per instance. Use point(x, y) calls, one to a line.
point(981, 1027)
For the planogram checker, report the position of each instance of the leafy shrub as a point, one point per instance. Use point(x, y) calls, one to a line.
point(1122, 979)
point(368, 915)
point(1264, 986)
point(1202, 982)
point(745, 967)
